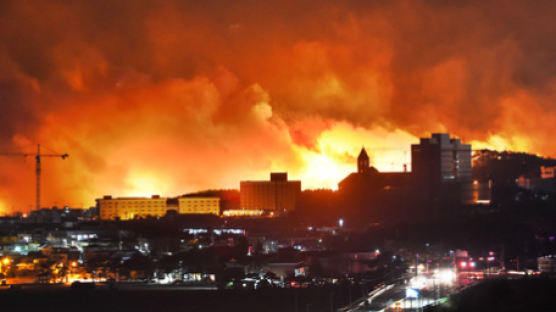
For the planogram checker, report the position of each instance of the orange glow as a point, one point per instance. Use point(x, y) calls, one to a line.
point(3, 209)
point(176, 98)
point(322, 171)
point(338, 147)
point(143, 184)
point(496, 142)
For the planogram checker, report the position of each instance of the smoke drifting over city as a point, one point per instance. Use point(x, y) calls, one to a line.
point(179, 96)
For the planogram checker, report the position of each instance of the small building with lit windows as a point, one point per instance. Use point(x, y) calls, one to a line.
point(199, 205)
point(127, 208)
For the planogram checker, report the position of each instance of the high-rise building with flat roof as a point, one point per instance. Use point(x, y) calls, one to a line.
point(275, 197)
point(441, 169)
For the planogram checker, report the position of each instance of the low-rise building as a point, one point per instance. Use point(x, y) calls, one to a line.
point(126, 208)
point(199, 205)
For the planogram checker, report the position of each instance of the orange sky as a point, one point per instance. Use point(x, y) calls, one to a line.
point(178, 96)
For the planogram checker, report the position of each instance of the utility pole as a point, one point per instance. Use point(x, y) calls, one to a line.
point(38, 157)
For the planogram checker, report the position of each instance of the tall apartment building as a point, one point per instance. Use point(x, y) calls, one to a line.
point(277, 196)
point(127, 208)
point(441, 169)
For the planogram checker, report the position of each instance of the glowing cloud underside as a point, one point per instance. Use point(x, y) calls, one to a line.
point(168, 98)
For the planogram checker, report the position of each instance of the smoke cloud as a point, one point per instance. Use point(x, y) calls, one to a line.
point(170, 97)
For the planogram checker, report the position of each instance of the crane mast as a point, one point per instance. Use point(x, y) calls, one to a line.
point(38, 178)
point(38, 157)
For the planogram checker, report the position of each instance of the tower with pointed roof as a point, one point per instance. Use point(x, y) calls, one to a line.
point(362, 161)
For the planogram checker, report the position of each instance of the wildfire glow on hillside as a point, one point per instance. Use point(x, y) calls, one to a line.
point(170, 97)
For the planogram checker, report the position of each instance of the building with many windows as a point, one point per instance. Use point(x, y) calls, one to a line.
point(127, 208)
point(199, 205)
point(441, 169)
point(439, 183)
point(274, 197)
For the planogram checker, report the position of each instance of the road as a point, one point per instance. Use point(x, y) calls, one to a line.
point(393, 296)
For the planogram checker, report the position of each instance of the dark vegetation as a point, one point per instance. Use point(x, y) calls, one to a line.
point(504, 295)
point(100, 299)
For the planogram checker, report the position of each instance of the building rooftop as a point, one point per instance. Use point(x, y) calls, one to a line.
point(132, 197)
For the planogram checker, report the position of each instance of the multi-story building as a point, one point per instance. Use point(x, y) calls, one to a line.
point(126, 208)
point(441, 168)
point(275, 197)
point(199, 205)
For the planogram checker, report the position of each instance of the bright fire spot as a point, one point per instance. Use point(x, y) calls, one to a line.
point(335, 155)
point(322, 171)
point(3, 208)
point(145, 184)
point(496, 142)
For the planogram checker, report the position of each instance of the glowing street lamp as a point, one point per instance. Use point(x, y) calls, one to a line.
point(341, 222)
point(5, 262)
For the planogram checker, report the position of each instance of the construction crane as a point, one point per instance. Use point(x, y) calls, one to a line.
point(38, 157)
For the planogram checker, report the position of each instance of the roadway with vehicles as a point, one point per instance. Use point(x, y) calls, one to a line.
point(411, 292)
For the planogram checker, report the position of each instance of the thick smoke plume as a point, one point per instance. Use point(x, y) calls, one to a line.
point(173, 96)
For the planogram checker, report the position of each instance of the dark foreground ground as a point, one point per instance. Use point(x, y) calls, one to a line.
point(494, 295)
point(525, 295)
point(173, 299)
